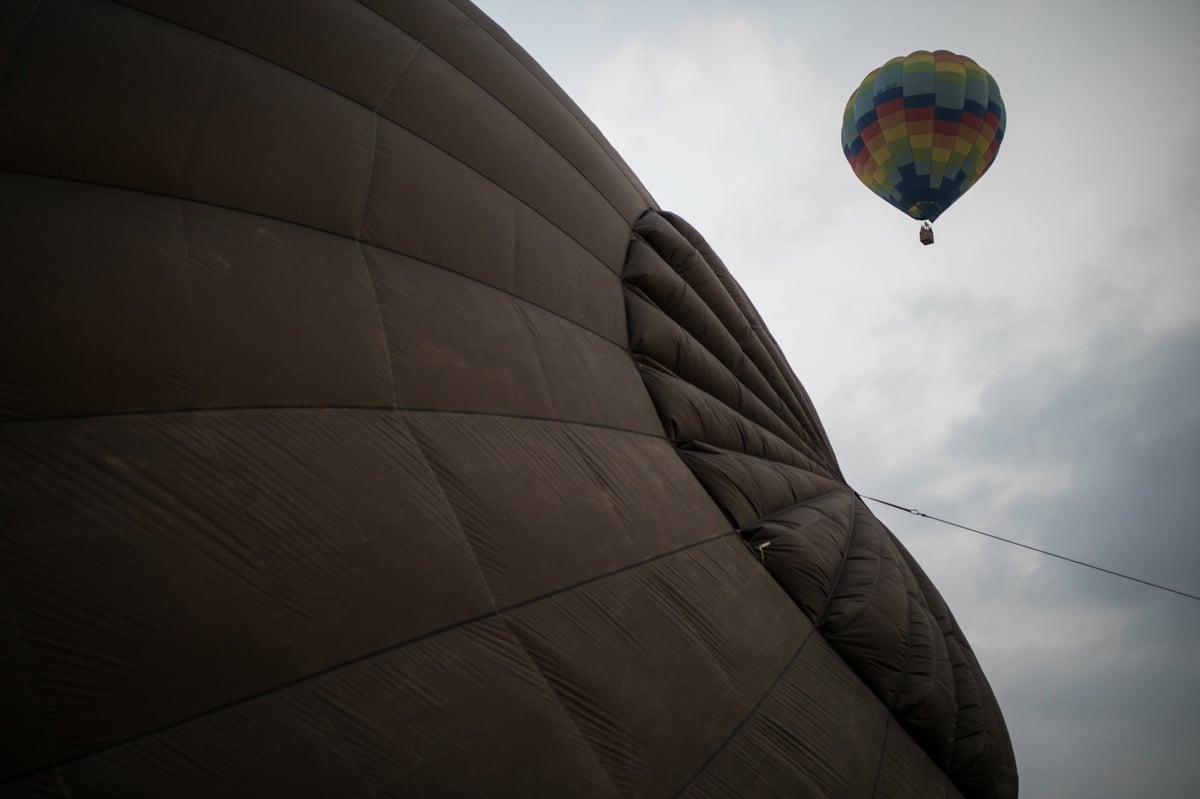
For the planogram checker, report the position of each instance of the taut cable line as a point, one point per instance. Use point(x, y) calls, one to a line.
point(916, 512)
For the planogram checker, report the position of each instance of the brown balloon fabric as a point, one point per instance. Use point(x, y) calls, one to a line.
point(366, 430)
point(749, 433)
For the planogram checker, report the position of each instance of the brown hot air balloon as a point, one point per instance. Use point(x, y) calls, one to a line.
point(367, 429)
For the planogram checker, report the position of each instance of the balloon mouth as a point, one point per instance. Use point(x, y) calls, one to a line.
point(925, 209)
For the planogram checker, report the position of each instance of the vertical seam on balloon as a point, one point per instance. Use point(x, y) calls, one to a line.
point(753, 710)
point(431, 463)
point(374, 111)
point(202, 115)
point(516, 246)
point(837, 578)
point(366, 202)
point(864, 606)
point(625, 289)
point(193, 334)
point(202, 421)
point(387, 345)
point(526, 158)
point(442, 267)
point(538, 134)
point(421, 45)
point(562, 705)
point(891, 706)
point(17, 42)
point(635, 235)
point(362, 221)
point(31, 684)
point(608, 150)
point(964, 166)
point(987, 701)
point(887, 728)
point(543, 376)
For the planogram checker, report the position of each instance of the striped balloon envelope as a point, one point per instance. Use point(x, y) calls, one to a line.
point(921, 129)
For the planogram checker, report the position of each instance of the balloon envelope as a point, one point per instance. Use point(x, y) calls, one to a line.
point(366, 429)
point(921, 129)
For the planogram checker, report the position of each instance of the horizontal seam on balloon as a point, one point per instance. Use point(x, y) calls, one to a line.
point(382, 651)
point(375, 111)
point(595, 257)
point(808, 418)
point(489, 31)
point(812, 460)
point(676, 444)
point(806, 503)
point(367, 408)
point(740, 347)
point(814, 466)
point(717, 359)
point(343, 236)
point(747, 313)
point(415, 135)
point(420, 45)
point(762, 458)
point(629, 567)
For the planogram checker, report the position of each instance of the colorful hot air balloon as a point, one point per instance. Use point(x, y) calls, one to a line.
point(920, 130)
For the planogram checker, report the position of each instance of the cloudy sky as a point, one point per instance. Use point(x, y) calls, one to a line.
point(1036, 373)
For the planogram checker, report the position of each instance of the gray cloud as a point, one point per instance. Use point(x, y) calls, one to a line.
point(1096, 675)
point(1122, 422)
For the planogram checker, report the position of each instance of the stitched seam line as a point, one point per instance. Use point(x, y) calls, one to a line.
point(382, 651)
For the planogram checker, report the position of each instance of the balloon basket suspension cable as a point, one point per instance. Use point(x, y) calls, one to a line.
point(926, 234)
